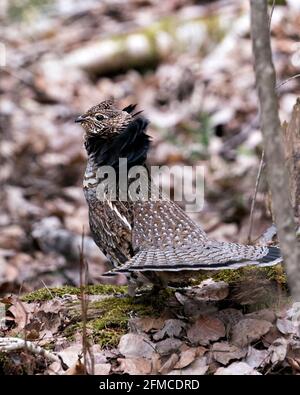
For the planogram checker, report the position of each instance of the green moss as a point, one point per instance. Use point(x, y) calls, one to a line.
point(27, 9)
point(275, 273)
point(109, 337)
point(50, 293)
point(112, 316)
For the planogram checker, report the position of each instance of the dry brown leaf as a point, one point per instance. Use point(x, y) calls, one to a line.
point(102, 369)
point(12, 237)
point(278, 350)
point(286, 326)
point(193, 308)
point(146, 324)
point(76, 370)
point(171, 328)
point(271, 336)
point(294, 363)
point(293, 355)
point(229, 316)
point(224, 352)
point(199, 367)
point(135, 366)
point(70, 354)
point(206, 329)
point(155, 363)
point(168, 346)
point(265, 314)
point(237, 369)
point(98, 354)
point(249, 330)
point(55, 369)
point(209, 290)
point(257, 358)
point(169, 364)
point(186, 358)
point(135, 345)
point(22, 313)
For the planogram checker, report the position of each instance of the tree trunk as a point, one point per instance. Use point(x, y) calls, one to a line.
point(273, 143)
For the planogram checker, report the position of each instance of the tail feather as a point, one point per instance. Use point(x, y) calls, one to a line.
point(217, 256)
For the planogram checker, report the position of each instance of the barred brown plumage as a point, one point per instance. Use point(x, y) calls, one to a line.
point(147, 238)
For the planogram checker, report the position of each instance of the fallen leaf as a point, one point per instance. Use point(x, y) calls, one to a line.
point(237, 369)
point(206, 329)
point(76, 370)
point(294, 363)
point(224, 352)
point(54, 369)
point(169, 364)
point(193, 308)
point(293, 354)
point(146, 324)
point(257, 358)
point(285, 326)
point(172, 328)
point(271, 336)
point(278, 350)
point(22, 313)
point(70, 354)
point(134, 345)
point(155, 363)
point(186, 358)
point(249, 330)
point(102, 369)
point(265, 314)
point(168, 346)
point(199, 367)
point(98, 355)
point(134, 366)
point(229, 316)
point(209, 290)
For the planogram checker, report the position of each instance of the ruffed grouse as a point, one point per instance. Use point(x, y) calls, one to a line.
point(148, 239)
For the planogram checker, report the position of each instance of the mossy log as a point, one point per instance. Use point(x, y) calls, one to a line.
point(108, 313)
point(110, 308)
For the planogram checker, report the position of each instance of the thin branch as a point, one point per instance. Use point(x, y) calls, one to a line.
point(88, 357)
point(261, 165)
point(271, 14)
point(9, 344)
point(287, 80)
point(273, 143)
point(47, 288)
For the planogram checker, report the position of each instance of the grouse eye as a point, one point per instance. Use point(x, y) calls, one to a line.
point(99, 117)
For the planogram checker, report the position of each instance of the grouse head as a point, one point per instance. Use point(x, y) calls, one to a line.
point(105, 120)
point(111, 134)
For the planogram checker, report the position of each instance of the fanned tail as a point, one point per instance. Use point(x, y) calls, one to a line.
point(217, 256)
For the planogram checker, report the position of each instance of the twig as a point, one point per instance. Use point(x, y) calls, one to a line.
point(48, 290)
point(9, 344)
point(88, 358)
point(287, 80)
point(271, 14)
point(261, 165)
point(273, 143)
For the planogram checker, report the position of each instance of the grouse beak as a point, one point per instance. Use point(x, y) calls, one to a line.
point(79, 119)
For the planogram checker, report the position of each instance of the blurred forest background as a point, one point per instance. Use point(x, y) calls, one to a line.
point(187, 63)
